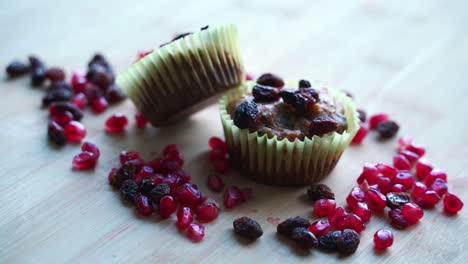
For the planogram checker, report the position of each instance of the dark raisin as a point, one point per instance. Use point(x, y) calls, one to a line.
point(38, 71)
point(35, 62)
point(146, 185)
point(304, 238)
point(56, 133)
point(245, 115)
point(92, 93)
point(270, 79)
point(67, 106)
point(129, 190)
point(323, 125)
point(98, 59)
point(263, 93)
point(301, 102)
point(56, 95)
point(159, 192)
point(304, 84)
point(17, 68)
point(329, 240)
point(60, 85)
point(348, 242)
point(397, 200)
point(318, 191)
point(102, 79)
point(95, 69)
point(387, 129)
point(205, 27)
point(114, 94)
point(127, 171)
point(55, 74)
point(362, 115)
point(179, 36)
point(397, 219)
point(310, 92)
point(247, 227)
point(287, 226)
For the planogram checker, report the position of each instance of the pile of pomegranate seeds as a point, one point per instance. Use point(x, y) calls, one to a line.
point(88, 157)
point(380, 122)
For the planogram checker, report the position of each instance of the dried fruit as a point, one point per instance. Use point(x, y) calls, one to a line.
point(304, 84)
point(167, 206)
point(195, 232)
point(129, 190)
point(55, 74)
point(184, 217)
point(376, 119)
point(17, 68)
point(323, 125)
point(215, 183)
point(74, 131)
point(397, 200)
point(56, 133)
point(318, 228)
point(57, 95)
point(452, 203)
point(397, 219)
point(84, 161)
point(116, 123)
point(245, 115)
point(412, 213)
point(207, 212)
point(143, 205)
point(351, 221)
point(383, 239)
point(318, 191)
point(38, 71)
point(114, 94)
point(304, 238)
point(125, 172)
point(247, 227)
point(300, 101)
point(387, 129)
point(270, 79)
point(140, 120)
point(362, 115)
point(263, 93)
point(428, 200)
point(361, 134)
point(324, 207)
point(146, 185)
point(159, 191)
point(329, 240)
point(375, 200)
point(348, 242)
point(286, 227)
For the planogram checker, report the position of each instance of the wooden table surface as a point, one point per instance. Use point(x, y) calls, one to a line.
point(407, 58)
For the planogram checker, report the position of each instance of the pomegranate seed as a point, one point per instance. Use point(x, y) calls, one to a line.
point(419, 189)
point(404, 178)
point(248, 76)
point(78, 81)
point(384, 184)
point(355, 196)
point(167, 206)
point(184, 218)
point(336, 216)
point(128, 155)
point(418, 150)
point(143, 205)
point(140, 120)
point(74, 131)
point(319, 228)
point(428, 200)
point(375, 200)
point(169, 149)
point(383, 239)
point(111, 175)
point(233, 196)
point(157, 165)
point(376, 119)
point(397, 219)
point(433, 175)
point(361, 134)
point(387, 170)
point(351, 221)
point(99, 105)
point(217, 154)
point(404, 142)
point(324, 207)
point(207, 212)
point(215, 183)
point(411, 157)
point(363, 212)
point(195, 232)
point(146, 171)
point(91, 147)
point(173, 161)
point(222, 166)
point(452, 203)
point(188, 195)
point(423, 167)
point(398, 188)
point(183, 177)
point(56, 134)
point(412, 213)
point(80, 100)
point(84, 161)
point(440, 187)
point(62, 118)
point(116, 123)
point(400, 162)
point(55, 74)
point(369, 173)
point(217, 143)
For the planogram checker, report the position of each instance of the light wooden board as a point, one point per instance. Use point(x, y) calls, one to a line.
point(407, 58)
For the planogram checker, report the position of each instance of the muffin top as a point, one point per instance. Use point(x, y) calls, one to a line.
point(292, 113)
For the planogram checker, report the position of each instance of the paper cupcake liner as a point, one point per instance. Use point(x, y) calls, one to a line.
point(178, 78)
point(282, 162)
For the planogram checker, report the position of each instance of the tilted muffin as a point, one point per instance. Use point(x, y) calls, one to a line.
point(183, 75)
point(289, 133)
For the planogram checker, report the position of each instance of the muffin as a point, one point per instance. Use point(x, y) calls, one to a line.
point(287, 136)
point(184, 75)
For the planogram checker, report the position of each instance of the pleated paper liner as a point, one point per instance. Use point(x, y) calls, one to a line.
point(281, 162)
point(182, 76)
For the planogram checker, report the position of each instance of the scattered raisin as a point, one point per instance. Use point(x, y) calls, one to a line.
point(68, 107)
point(318, 191)
point(17, 68)
point(38, 71)
point(56, 133)
point(310, 92)
point(270, 79)
point(55, 74)
point(348, 242)
point(304, 84)
point(397, 200)
point(387, 129)
point(146, 185)
point(362, 115)
point(245, 115)
point(56, 95)
point(329, 240)
point(129, 190)
point(127, 171)
point(247, 227)
point(304, 238)
point(300, 101)
point(286, 227)
point(263, 93)
point(323, 125)
point(159, 192)
point(114, 94)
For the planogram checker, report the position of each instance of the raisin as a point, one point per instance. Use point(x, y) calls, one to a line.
point(94, 70)
point(114, 94)
point(68, 107)
point(99, 59)
point(348, 242)
point(38, 71)
point(129, 190)
point(247, 227)
point(55, 74)
point(397, 200)
point(304, 84)
point(300, 101)
point(310, 92)
point(56, 133)
point(125, 172)
point(159, 192)
point(286, 227)
point(270, 79)
point(329, 240)
point(304, 238)
point(17, 68)
point(56, 95)
point(319, 191)
point(387, 129)
point(323, 125)
point(362, 115)
point(103, 79)
point(60, 85)
point(146, 185)
point(263, 93)
point(245, 115)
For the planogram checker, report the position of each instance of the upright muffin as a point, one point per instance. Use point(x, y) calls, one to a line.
point(183, 75)
point(287, 133)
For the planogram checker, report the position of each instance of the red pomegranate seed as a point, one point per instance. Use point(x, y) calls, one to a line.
point(188, 195)
point(397, 219)
point(184, 218)
point(404, 178)
point(78, 81)
point(376, 119)
point(146, 171)
point(99, 105)
point(324, 207)
point(385, 185)
point(336, 216)
point(222, 166)
point(319, 228)
point(419, 189)
point(116, 123)
point(80, 100)
point(401, 163)
point(217, 143)
point(157, 165)
point(167, 206)
point(75, 131)
point(217, 154)
point(452, 203)
point(398, 188)
point(410, 156)
point(428, 200)
point(383, 239)
point(387, 170)
point(173, 161)
point(143, 205)
point(84, 161)
point(423, 167)
point(91, 147)
point(207, 212)
point(233, 196)
point(363, 212)
point(183, 177)
point(361, 134)
point(62, 118)
point(440, 187)
point(355, 196)
point(169, 149)
point(376, 200)
point(55, 74)
point(140, 120)
point(351, 221)
point(404, 142)
point(128, 155)
point(111, 175)
point(418, 150)
point(248, 76)
point(369, 173)
point(412, 213)
point(433, 175)
point(215, 183)
point(195, 232)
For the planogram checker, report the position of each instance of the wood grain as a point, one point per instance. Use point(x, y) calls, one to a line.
point(407, 58)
